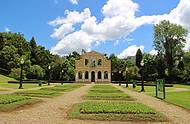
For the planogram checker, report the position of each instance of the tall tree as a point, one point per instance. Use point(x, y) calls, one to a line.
point(169, 39)
point(139, 58)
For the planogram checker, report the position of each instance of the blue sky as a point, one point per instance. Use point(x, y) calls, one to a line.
point(33, 17)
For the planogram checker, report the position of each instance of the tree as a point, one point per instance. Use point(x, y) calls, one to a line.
point(35, 72)
point(169, 39)
point(150, 71)
point(139, 58)
point(186, 63)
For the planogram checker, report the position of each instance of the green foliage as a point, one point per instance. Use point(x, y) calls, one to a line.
point(106, 92)
point(169, 39)
point(150, 71)
point(132, 72)
point(117, 65)
point(118, 111)
point(38, 93)
point(115, 107)
point(8, 99)
point(139, 58)
point(35, 72)
point(15, 73)
point(13, 47)
point(63, 88)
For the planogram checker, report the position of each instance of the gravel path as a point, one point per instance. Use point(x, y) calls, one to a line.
point(51, 111)
point(176, 115)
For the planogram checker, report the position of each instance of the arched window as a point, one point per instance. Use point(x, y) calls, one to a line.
point(86, 74)
point(105, 75)
point(99, 75)
point(80, 74)
point(99, 62)
point(86, 62)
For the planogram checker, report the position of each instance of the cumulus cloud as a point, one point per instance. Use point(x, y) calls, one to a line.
point(130, 51)
point(74, 1)
point(7, 29)
point(153, 52)
point(118, 22)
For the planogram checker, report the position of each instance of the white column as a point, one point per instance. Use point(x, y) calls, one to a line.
point(89, 76)
point(76, 76)
point(109, 77)
point(83, 76)
point(96, 76)
point(102, 76)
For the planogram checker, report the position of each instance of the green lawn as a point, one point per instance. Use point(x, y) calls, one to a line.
point(11, 102)
point(181, 98)
point(63, 88)
point(38, 93)
point(106, 92)
point(4, 83)
point(121, 111)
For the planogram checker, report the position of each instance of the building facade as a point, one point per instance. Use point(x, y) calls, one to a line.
point(93, 67)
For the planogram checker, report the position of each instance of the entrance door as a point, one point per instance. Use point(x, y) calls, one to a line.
point(92, 76)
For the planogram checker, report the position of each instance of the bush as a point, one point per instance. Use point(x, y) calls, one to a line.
point(35, 72)
point(15, 73)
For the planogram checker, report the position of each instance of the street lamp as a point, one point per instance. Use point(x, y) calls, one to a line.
point(49, 67)
point(126, 71)
point(62, 76)
point(142, 76)
point(120, 78)
point(21, 68)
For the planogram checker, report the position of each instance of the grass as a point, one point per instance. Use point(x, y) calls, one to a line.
point(4, 83)
point(106, 92)
point(181, 98)
point(38, 93)
point(49, 91)
point(121, 111)
point(7, 99)
point(11, 102)
point(63, 88)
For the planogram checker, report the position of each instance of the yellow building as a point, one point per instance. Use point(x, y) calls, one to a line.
point(93, 67)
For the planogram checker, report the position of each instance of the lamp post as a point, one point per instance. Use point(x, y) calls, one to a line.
point(126, 76)
point(49, 68)
point(142, 76)
point(62, 76)
point(120, 78)
point(21, 69)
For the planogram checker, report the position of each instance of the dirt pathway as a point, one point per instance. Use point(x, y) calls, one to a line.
point(51, 111)
point(176, 115)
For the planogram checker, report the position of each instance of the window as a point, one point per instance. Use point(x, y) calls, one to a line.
point(86, 75)
point(99, 62)
point(86, 62)
point(105, 75)
point(99, 75)
point(80, 75)
point(93, 63)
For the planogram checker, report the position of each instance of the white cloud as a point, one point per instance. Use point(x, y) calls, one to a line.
point(130, 51)
point(118, 22)
point(153, 52)
point(7, 29)
point(74, 1)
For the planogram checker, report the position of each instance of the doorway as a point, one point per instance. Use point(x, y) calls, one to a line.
point(92, 76)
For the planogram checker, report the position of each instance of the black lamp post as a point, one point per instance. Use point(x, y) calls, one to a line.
point(21, 69)
point(126, 76)
point(142, 76)
point(120, 78)
point(49, 68)
point(62, 71)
